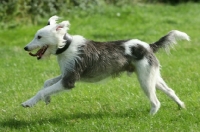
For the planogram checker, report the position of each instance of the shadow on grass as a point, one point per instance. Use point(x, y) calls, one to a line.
point(70, 119)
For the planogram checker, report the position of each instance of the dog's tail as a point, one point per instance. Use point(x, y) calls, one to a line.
point(169, 40)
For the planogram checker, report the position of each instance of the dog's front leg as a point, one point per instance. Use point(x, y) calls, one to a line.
point(48, 91)
point(48, 83)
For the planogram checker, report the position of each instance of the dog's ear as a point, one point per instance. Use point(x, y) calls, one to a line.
point(63, 26)
point(52, 20)
point(60, 29)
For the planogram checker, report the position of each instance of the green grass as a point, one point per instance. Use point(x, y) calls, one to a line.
point(118, 105)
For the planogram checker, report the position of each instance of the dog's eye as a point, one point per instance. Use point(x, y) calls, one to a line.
point(39, 37)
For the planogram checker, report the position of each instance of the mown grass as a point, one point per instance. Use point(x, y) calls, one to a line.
point(119, 104)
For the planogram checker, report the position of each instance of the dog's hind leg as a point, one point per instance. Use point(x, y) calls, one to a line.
point(161, 85)
point(48, 83)
point(147, 77)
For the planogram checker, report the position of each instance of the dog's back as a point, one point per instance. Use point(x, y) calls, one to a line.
point(98, 60)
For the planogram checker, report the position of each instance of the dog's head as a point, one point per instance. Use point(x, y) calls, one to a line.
point(49, 38)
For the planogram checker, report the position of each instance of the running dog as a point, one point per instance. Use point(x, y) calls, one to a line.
point(86, 60)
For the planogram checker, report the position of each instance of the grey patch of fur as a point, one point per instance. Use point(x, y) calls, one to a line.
point(99, 60)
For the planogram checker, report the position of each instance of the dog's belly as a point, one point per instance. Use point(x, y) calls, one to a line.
point(101, 75)
point(95, 77)
point(93, 80)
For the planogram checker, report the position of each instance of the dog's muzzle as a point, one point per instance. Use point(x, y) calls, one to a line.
point(39, 53)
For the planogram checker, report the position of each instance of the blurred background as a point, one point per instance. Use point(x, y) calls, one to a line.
point(16, 12)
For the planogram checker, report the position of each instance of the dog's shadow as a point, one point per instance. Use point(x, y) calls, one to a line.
point(70, 119)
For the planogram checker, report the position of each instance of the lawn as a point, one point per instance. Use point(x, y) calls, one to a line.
point(117, 105)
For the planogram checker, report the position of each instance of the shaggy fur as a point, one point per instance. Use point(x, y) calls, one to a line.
point(90, 61)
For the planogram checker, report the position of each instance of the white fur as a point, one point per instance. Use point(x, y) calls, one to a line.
point(178, 35)
point(45, 93)
point(52, 35)
point(53, 20)
point(67, 60)
point(60, 30)
point(147, 76)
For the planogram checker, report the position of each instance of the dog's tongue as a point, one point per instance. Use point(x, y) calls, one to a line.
point(39, 53)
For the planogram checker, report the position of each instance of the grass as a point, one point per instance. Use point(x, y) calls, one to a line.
point(118, 105)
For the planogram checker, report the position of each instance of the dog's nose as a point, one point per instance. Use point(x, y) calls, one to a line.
point(26, 48)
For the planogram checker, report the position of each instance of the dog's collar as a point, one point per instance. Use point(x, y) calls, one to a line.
point(68, 39)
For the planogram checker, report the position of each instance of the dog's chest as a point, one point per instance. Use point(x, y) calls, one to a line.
point(66, 63)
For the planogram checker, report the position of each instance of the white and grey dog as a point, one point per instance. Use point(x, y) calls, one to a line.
point(90, 61)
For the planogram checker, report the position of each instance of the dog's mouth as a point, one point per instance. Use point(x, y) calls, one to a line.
point(40, 52)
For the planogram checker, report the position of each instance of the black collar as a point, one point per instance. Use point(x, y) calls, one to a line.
point(68, 39)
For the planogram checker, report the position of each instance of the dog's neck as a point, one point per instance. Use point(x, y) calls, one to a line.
point(68, 39)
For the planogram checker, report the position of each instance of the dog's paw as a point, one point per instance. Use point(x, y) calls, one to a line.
point(155, 108)
point(25, 105)
point(47, 100)
point(182, 105)
point(153, 111)
point(28, 103)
